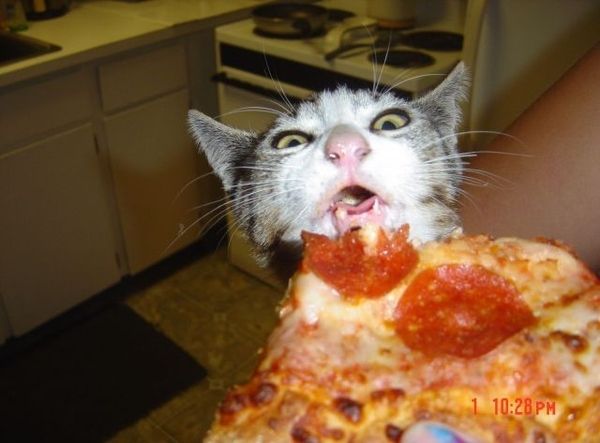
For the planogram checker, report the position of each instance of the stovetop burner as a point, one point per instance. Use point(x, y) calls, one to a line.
point(433, 40)
point(299, 36)
point(402, 59)
point(338, 15)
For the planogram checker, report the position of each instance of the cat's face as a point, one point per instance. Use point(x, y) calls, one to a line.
point(341, 160)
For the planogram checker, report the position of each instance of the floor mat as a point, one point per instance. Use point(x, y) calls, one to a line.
point(86, 383)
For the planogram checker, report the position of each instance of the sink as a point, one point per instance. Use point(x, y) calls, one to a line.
point(16, 47)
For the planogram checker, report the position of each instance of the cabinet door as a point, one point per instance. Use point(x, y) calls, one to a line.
point(152, 160)
point(55, 231)
point(5, 330)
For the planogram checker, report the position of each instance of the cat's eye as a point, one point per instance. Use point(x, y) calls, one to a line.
point(291, 139)
point(390, 120)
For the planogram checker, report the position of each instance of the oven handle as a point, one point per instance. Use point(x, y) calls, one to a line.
point(222, 77)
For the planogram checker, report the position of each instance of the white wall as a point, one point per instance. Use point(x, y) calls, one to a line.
point(523, 47)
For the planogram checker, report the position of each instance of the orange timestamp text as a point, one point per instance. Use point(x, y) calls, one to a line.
point(516, 406)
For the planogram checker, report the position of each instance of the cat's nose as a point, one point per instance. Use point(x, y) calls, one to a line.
point(346, 147)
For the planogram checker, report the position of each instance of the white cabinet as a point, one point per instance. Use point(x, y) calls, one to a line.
point(5, 329)
point(152, 159)
point(55, 231)
point(155, 165)
point(143, 75)
point(95, 163)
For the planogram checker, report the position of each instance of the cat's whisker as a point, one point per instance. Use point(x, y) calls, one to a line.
point(204, 205)
point(435, 178)
point(466, 196)
point(287, 104)
point(489, 175)
point(473, 154)
point(373, 63)
point(258, 195)
point(184, 231)
point(297, 217)
point(403, 73)
point(251, 109)
point(275, 102)
point(266, 168)
point(467, 169)
point(473, 181)
point(212, 222)
point(215, 215)
point(189, 183)
point(499, 133)
point(236, 226)
point(238, 223)
point(387, 52)
point(265, 185)
point(441, 174)
point(222, 208)
point(395, 85)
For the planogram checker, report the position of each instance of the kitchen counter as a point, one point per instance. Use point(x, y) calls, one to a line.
point(94, 29)
point(101, 125)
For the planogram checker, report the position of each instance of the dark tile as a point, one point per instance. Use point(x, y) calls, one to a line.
point(219, 315)
point(90, 381)
point(144, 431)
point(210, 337)
point(191, 425)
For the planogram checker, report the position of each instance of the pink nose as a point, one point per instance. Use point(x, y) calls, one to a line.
point(345, 147)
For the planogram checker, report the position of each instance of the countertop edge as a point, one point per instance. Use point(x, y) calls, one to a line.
point(59, 63)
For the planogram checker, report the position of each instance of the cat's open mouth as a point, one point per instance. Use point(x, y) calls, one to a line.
point(355, 206)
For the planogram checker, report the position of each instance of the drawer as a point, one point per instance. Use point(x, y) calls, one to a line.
point(137, 78)
point(36, 107)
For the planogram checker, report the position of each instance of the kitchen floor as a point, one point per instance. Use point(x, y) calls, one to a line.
point(218, 315)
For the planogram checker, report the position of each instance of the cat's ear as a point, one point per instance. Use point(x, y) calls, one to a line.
point(443, 104)
point(223, 146)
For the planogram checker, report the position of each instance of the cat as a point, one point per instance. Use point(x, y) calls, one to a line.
point(341, 159)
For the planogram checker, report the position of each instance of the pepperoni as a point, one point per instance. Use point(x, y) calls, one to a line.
point(347, 266)
point(460, 310)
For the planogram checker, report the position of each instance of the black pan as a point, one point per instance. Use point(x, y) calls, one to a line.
point(290, 19)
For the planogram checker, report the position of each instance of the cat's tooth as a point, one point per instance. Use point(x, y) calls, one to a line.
point(350, 200)
point(341, 214)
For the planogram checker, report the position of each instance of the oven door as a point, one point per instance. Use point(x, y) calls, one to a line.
point(240, 95)
point(251, 102)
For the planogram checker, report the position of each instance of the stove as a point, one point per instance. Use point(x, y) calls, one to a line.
point(434, 40)
point(239, 44)
point(399, 58)
point(287, 37)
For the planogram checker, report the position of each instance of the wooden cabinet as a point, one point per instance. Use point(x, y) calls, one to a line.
point(57, 240)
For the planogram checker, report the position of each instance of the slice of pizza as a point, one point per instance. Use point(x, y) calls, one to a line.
point(497, 338)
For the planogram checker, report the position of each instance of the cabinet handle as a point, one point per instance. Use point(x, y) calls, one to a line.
point(96, 145)
point(222, 77)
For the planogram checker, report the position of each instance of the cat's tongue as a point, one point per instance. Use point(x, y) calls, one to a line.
point(347, 216)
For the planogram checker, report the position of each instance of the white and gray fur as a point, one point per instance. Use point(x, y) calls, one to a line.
point(276, 194)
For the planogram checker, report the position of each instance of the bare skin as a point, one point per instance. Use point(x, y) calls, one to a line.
point(555, 193)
